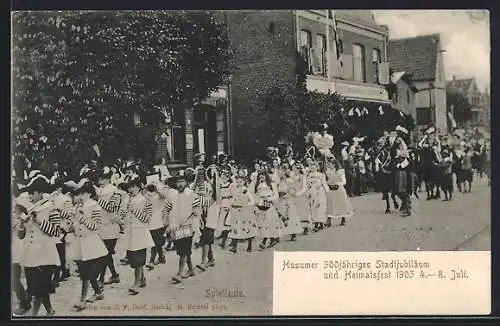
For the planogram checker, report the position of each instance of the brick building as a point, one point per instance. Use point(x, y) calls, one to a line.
point(422, 57)
point(345, 50)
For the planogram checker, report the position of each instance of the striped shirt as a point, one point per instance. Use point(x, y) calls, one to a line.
point(93, 221)
point(180, 207)
point(52, 224)
point(144, 213)
point(48, 217)
point(113, 204)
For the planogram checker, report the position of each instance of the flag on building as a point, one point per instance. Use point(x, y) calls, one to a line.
point(381, 110)
point(452, 120)
point(336, 35)
point(383, 73)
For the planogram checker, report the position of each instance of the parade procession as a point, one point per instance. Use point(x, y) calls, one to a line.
point(159, 153)
point(61, 225)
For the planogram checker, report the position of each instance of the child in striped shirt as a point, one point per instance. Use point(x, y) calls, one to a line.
point(139, 214)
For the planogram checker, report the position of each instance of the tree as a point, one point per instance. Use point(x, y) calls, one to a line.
point(80, 78)
point(460, 106)
point(290, 111)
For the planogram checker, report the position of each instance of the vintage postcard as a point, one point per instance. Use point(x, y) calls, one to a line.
point(251, 162)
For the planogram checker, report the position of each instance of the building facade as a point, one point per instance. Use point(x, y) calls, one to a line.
point(198, 128)
point(345, 51)
point(422, 56)
point(477, 100)
point(486, 103)
point(402, 93)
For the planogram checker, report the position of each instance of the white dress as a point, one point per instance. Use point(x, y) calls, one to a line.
point(317, 197)
point(268, 221)
point(301, 200)
point(342, 207)
point(243, 224)
point(226, 195)
point(286, 207)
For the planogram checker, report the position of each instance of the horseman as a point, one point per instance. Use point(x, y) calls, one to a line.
point(430, 150)
point(396, 141)
point(400, 163)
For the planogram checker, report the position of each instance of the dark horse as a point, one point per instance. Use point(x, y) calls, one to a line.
point(430, 172)
point(385, 180)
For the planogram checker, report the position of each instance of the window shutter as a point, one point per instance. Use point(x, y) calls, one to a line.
point(383, 73)
point(347, 66)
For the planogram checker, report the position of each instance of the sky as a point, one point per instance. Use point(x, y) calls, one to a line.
point(465, 35)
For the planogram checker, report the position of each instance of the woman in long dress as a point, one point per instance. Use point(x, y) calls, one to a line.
point(256, 169)
point(340, 201)
point(285, 205)
point(274, 171)
point(243, 224)
point(269, 223)
point(317, 196)
point(330, 173)
point(226, 198)
point(301, 197)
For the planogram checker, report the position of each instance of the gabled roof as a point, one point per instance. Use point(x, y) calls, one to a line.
point(363, 17)
point(461, 85)
point(416, 55)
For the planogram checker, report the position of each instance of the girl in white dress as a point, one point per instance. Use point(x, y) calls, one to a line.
point(256, 169)
point(243, 224)
point(286, 204)
point(317, 196)
point(342, 205)
point(301, 197)
point(274, 171)
point(269, 223)
point(330, 173)
point(226, 198)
